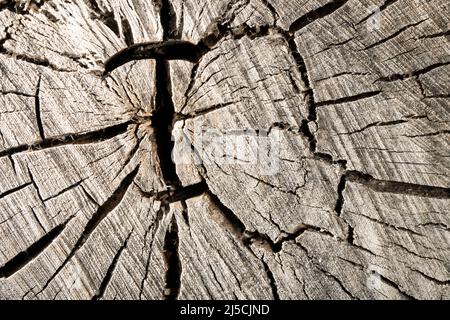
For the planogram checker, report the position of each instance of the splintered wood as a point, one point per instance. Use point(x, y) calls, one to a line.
point(230, 149)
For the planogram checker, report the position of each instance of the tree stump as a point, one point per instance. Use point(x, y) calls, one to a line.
point(229, 149)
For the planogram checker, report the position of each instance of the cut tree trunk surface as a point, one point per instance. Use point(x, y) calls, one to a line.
point(337, 185)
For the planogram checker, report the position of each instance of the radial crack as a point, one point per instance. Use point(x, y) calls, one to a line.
point(71, 139)
point(24, 258)
point(37, 103)
point(109, 273)
point(9, 192)
point(349, 99)
point(102, 212)
point(316, 14)
point(398, 187)
point(174, 269)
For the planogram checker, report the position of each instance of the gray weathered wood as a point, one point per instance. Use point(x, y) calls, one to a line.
point(337, 185)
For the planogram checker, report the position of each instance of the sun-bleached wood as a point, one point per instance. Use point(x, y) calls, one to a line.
point(352, 202)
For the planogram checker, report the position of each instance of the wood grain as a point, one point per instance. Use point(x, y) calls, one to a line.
point(117, 180)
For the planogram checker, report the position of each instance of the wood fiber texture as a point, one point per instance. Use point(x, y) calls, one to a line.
point(115, 182)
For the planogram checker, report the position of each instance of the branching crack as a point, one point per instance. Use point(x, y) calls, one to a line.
point(248, 238)
point(102, 212)
point(173, 48)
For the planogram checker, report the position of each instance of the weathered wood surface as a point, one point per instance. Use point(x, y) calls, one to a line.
point(350, 200)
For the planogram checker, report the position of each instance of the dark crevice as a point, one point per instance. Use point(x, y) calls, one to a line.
point(109, 20)
point(8, 5)
point(94, 6)
point(106, 17)
point(429, 278)
point(8, 36)
point(272, 281)
point(9, 192)
point(272, 10)
point(176, 49)
point(416, 73)
point(127, 32)
point(162, 121)
point(278, 246)
point(169, 20)
point(33, 212)
point(351, 235)
point(27, 95)
point(392, 36)
point(436, 35)
point(329, 159)
point(21, 7)
point(39, 61)
point(24, 258)
point(234, 224)
point(248, 238)
point(375, 124)
point(349, 99)
point(437, 96)
point(102, 212)
point(308, 93)
point(164, 115)
point(304, 128)
point(340, 192)
point(430, 134)
point(198, 113)
point(178, 194)
point(168, 49)
point(397, 187)
point(301, 66)
point(73, 186)
point(316, 14)
point(386, 4)
point(174, 269)
point(110, 271)
point(35, 185)
point(37, 103)
point(81, 138)
point(188, 192)
point(185, 212)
